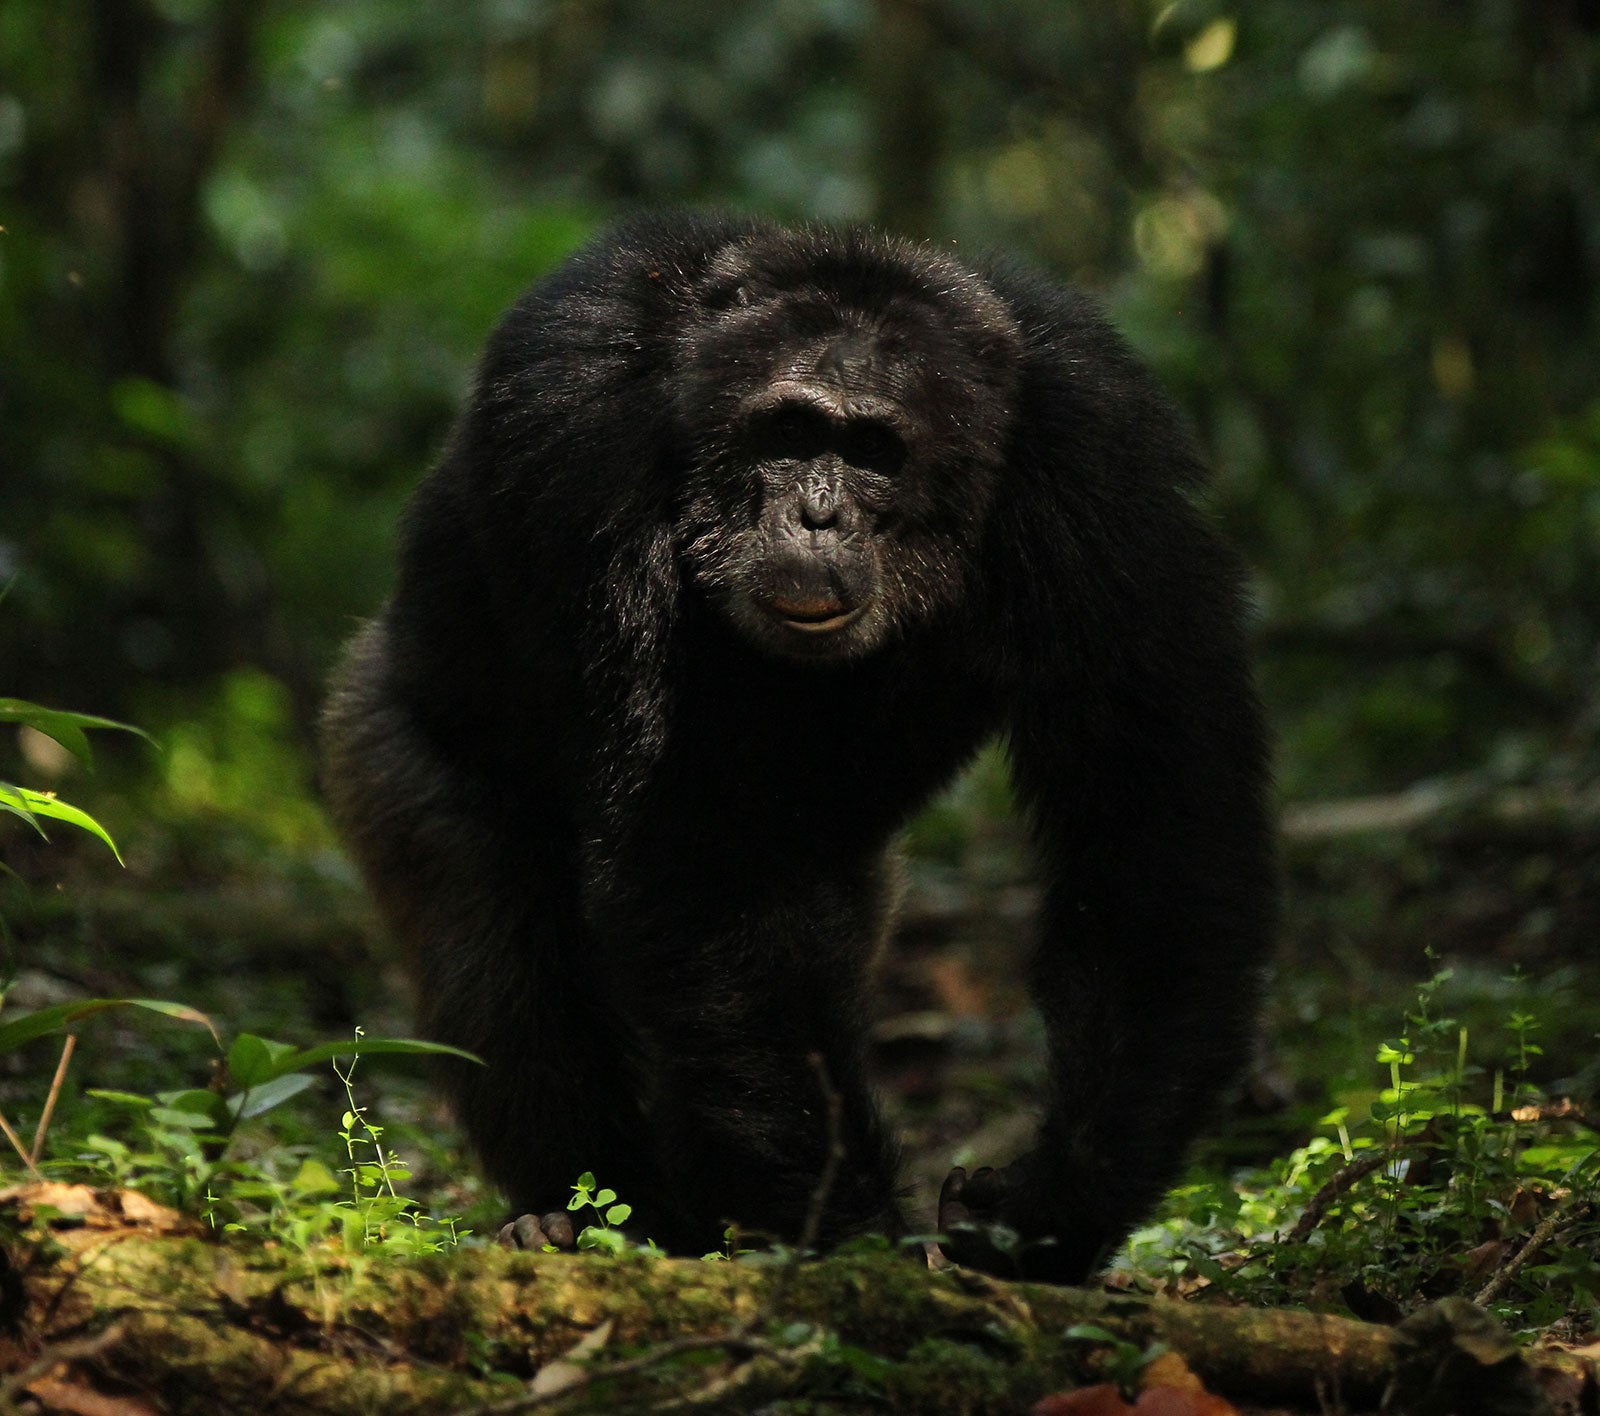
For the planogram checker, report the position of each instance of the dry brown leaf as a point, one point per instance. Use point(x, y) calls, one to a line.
point(1105, 1400)
point(69, 1201)
point(1101, 1400)
point(1169, 1370)
point(141, 1209)
point(1485, 1259)
point(1170, 1401)
point(82, 1210)
point(78, 1400)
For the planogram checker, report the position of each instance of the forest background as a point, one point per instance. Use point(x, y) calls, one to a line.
point(251, 247)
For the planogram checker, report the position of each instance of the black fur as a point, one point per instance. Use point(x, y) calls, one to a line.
point(747, 540)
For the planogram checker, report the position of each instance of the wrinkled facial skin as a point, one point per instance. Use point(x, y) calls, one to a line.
point(824, 443)
point(842, 456)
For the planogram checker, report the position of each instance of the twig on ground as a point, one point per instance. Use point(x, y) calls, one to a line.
point(1543, 1232)
point(819, 1195)
point(53, 1356)
point(730, 1341)
point(1322, 1201)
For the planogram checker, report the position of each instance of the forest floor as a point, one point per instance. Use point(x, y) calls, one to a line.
point(280, 943)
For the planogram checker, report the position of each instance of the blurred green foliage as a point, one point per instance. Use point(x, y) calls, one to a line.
point(250, 248)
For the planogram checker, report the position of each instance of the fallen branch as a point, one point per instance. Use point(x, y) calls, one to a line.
point(57, 1355)
point(1542, 1234)
point(1322, 1201)
point(203, 1327)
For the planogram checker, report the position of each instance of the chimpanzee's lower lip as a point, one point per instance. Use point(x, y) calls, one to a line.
point(825, 625)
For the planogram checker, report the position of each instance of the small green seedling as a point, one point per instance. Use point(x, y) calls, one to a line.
point(604, 1235)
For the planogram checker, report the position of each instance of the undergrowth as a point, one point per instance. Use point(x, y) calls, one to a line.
point(1459, 1179)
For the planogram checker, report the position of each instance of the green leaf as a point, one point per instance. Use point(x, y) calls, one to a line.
point(256, 1101)
point(11, 800)
point(61, 1016)
point(366, 1047)
point(605, 1197)
point(28, 804)
point(183, 1120)
point(119, 1098)
point(196, 1101)
point(608, 1239)
point(314, 1178)
point(1092, 1332)
point(66, 728)
point(618, 1214)
point(254, 1060)
point(249, 1062)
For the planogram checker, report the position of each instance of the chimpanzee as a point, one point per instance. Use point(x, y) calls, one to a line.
point(747, 539)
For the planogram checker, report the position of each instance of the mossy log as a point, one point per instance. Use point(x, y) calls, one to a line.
point(148, 1322)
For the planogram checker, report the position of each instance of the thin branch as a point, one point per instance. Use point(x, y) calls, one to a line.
point(50, 1101)
point(16, 1145)
point(1542, 1234)
point(836, 1156)
point(731, 1341)
point(1323, 1200)
point(53, 1356)
point(720, 1388)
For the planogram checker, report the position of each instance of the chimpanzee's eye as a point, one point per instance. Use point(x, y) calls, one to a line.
point(792, 431)
point(872, 445)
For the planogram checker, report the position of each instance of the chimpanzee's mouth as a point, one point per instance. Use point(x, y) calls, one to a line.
point(821, 616)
